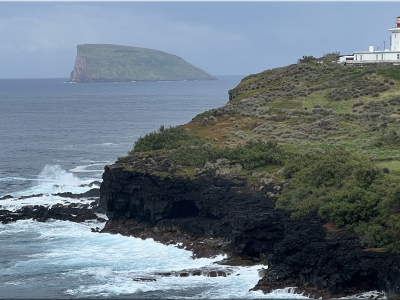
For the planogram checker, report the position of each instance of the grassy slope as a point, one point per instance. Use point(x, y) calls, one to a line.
point(336, 129)
point(109, 62)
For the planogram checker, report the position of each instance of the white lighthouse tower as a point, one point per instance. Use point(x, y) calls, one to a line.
point(391, 55)
point(395, 45)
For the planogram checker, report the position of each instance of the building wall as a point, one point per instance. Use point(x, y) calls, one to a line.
point(392, 56)
point(377, 56)
point(395, 39)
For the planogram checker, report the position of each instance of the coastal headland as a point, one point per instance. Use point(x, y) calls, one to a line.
point(298, 171)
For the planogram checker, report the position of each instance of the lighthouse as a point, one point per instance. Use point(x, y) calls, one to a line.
point(391, 55)
point(395, 45)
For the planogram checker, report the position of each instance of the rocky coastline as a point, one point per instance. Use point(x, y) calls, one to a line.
point(230, 182)
point(69, 211)
point(211, 214)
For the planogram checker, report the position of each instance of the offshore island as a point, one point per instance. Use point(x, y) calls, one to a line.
point(116, 63)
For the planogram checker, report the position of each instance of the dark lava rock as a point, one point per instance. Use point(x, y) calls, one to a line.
point(211, 214)
point(213, 271)
point(72, 212)
point(95, 192)
point(334, 267)
point(144, 279)
point(30, 196)
point(93, 183)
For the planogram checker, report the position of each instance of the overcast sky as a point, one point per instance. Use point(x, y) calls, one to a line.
point(38, 39)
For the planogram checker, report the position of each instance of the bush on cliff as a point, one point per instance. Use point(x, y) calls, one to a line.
point(348, 189)
point(252, 155)
point(190, 150)
point(165, 138)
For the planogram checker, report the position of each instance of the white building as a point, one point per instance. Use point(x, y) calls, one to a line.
point(372, 56)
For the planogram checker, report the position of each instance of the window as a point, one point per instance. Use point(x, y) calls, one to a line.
point(398, 56)
point(360, 57)
point(377, 57)
point(382, 56)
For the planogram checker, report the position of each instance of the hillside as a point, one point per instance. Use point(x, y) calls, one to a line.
point(104, 62)
point(338, 128)
point(299, 171)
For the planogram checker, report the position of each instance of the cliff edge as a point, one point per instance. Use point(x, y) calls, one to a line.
point(105, 62)
point(298, 171)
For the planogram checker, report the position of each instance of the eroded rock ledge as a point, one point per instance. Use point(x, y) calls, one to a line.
point(212, 214)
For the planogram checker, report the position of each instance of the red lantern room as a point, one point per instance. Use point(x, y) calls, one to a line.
point(398, 21)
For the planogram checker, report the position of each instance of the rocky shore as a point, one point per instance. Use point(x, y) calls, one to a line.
point(209, 214)
point(74, 212)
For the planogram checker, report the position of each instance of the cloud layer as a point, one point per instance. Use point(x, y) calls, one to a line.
point(39, 39)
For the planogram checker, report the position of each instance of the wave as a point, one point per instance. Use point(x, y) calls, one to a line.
point(51, 180)
point(85, 168)
point(13, 179)
point(107, 264)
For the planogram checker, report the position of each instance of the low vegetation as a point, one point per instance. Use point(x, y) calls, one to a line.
point(170, 138)
point(330, 134)
point(347, 188)
point(250, 156)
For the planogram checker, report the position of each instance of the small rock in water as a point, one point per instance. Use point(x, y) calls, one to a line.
point(144, 279)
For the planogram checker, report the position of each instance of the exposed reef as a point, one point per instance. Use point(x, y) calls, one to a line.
point(74, 212)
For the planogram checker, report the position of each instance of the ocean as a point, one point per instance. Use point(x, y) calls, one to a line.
point(57, 136)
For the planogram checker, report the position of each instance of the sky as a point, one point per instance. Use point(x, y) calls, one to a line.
point(39, 39)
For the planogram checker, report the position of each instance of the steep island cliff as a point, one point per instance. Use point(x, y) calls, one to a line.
point(105, 62)
point(298, 171)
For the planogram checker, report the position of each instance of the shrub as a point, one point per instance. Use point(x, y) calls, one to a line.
point(170, 138)
point(251, 155)
point(306, 59)
point(348, 189)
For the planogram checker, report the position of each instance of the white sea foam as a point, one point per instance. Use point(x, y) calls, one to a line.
point(285, 293)
point(12, 179)
point(51, 180)
point(106, 264)
point(14, 204)
point(367, 295)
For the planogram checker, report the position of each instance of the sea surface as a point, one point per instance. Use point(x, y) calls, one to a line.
point(55, 137)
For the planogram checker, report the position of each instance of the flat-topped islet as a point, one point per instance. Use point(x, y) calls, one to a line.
point(106, 62)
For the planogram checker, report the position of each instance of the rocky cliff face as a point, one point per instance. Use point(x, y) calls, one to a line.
point(204, 207)
point(210, 214)
point(80, 69)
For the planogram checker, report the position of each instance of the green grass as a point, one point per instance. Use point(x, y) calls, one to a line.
point(344, 187)
point(392, 73)
point(336, 171)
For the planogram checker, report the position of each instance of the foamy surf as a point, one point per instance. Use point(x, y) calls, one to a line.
point(106, 265)
point(52, 180)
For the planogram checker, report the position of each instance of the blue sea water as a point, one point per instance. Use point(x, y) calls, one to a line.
point(56, 136)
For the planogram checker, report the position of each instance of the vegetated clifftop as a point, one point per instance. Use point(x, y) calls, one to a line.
point(105, 62)
point(298, 171)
